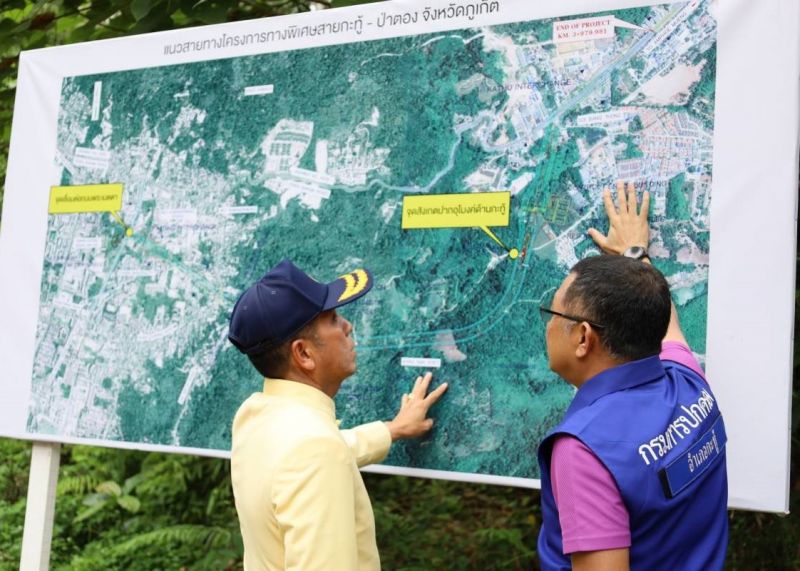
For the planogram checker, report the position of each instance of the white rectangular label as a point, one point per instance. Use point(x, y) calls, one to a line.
point(420, 362)
point(583, 29)
point(98, 90)
point(602, 118)
point(91, 158)
point(176, 216)
point(86, 243)
point(226, 210)
point(313, 176)
point(136, 273)
point(259, 89)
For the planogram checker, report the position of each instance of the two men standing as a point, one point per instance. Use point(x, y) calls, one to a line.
point(633, 477)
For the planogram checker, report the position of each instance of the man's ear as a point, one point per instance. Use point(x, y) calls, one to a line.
point(586, 340)
point(301, 353)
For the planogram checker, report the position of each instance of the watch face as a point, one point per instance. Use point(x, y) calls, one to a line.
point(635, 252)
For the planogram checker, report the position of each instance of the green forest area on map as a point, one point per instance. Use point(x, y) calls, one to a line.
point(230, 166)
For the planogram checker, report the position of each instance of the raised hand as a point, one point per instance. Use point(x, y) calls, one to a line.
point(412, 418)
point(627, 223)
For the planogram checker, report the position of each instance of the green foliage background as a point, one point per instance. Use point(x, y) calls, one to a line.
point(144, 511)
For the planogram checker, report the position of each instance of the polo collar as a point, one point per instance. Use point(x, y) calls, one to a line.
point(620, 378)
point(300, 392)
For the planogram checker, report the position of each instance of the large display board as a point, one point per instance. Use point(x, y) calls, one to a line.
point(459, 151)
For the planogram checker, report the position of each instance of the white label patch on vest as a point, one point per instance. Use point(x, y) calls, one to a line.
point(689, 466)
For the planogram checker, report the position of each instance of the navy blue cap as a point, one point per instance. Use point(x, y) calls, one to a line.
point(286, 299)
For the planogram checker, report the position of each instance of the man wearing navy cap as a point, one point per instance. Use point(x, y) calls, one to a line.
point(301, 501)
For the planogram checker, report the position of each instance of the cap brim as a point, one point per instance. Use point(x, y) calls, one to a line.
point(347, 288)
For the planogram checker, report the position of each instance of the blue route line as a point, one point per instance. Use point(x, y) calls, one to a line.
point(501, 304)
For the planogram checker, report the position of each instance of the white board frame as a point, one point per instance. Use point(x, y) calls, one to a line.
point(751, 278)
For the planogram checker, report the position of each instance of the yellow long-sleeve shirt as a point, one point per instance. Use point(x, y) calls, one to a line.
point(301, 501)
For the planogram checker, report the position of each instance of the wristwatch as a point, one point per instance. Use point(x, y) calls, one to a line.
point(636, 252)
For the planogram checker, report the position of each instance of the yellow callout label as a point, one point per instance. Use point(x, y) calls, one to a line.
point(478, 209)
point(86, 198)
point(481, 209)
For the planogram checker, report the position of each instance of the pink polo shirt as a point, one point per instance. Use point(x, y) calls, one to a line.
point(592, 514)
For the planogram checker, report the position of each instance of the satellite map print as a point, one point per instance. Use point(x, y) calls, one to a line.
point(462, 168)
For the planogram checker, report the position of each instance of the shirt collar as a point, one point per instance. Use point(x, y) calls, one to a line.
point(615, 379)
point(300, 392)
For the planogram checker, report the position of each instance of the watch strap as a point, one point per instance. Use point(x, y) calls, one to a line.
point(636, 253)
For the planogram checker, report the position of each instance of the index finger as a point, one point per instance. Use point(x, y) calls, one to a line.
point(435, 394)
point(608, 202)
point(421, 386)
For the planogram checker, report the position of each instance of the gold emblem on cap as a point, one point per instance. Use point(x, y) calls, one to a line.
point(354, 282)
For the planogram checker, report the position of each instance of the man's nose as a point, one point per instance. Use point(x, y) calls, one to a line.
point(348, 327)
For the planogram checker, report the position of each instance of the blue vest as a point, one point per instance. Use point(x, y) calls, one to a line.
point(658, 430)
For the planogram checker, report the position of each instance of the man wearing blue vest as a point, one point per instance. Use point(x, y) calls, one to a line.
point(634, 476)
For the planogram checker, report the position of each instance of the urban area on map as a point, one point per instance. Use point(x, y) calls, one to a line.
point(226, 167)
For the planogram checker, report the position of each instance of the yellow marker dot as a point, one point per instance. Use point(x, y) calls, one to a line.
point(513, 253)
point(129, 232)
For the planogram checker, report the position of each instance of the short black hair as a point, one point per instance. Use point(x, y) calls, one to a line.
point(274, 362)
point(629, 298)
